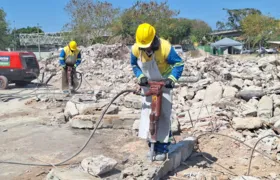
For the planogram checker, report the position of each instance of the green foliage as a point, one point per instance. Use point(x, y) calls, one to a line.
point(258, 28)
point(235, 16)
point(89, 20)
point(176, 30)
point(157, 14)
point(27, 30)
point(199, 30)
point(4, 31)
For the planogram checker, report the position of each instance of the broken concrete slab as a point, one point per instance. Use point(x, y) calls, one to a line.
point(246, 123)
point(81, 124)
point(98, 165)
point(140, 171)
point(69, 174)
point(229, 92)
point(186, 94)
point(265, 108)
point(96, 108)
point(269, 143)
point(178, 153)
point(200, 95)
point(70, 110)
point(250, 108)
point(213, 93)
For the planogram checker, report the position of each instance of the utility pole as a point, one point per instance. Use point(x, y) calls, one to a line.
point(38, 41)
point(15, 40)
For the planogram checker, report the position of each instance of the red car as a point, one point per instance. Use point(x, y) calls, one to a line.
point(18, 67)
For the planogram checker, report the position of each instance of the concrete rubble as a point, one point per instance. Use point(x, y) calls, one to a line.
point(243, 94)
point(178, 153)
point(98, 165)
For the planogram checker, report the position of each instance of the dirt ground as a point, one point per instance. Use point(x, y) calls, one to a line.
point(29, 134)
point(226, 159)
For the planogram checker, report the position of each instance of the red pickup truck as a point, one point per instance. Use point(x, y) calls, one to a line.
point(17, 67)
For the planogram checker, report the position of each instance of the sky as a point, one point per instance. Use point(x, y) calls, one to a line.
point(51, 16)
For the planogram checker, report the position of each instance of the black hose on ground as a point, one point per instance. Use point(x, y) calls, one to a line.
point(86, 143)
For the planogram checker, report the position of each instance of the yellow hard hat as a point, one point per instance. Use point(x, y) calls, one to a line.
point(73, 45)
point(145, 34)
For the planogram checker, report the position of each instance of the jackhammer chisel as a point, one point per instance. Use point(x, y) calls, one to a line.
point(70, 79)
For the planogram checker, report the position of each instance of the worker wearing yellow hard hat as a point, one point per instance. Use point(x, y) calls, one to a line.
point(70, 55)
point(153, 58)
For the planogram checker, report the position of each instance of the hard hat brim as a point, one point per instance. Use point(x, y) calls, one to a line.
point(141, 45)
point(73, 49)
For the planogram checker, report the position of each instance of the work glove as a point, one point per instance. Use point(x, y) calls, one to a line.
point(169, 83)
point(75, 66)
point(143, 81)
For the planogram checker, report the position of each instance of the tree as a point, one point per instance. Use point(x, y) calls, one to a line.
point(4, 31)
point(235, 16)
point(199, 30)
point(157, 14)
point(179, 29)
point(28, 30)
point(89, 20)
point(258, 28)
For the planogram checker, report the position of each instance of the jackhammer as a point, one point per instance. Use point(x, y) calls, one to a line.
point(155, 91)
point(70, 77)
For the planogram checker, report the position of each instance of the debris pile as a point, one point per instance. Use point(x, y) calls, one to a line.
point(105, 65)
point(213, 94)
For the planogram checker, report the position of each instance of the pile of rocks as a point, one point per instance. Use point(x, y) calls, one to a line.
point(105, 65)
point(210, 86)
point(230, 87)
point(214, 93)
